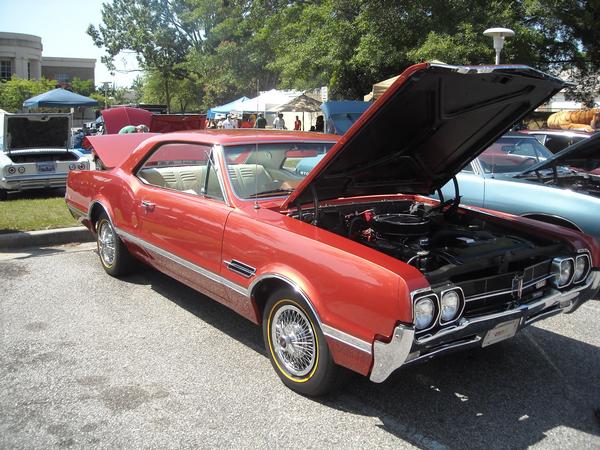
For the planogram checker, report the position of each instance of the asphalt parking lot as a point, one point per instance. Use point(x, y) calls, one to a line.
point(89, 360)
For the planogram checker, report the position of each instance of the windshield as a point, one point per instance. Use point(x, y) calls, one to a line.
point(513, 155)
point(268, 170)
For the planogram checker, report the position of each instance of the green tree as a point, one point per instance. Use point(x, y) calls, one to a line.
point(82, 87)
point(16, 90)
point(160, 32)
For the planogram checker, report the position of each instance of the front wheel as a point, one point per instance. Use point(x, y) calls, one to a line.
point(296, 345)
point(3, 195)
point(114, 256)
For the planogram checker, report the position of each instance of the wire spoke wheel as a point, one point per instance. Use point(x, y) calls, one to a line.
point(294, 340)
point(106, 243)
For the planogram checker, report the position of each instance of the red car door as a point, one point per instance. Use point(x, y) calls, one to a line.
point(182, 214)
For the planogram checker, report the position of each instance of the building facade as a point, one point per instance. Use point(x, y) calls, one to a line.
point(21, 55)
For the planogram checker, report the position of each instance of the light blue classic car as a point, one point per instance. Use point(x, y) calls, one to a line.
point(520, 176)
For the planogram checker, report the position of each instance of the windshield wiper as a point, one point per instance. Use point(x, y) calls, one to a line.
point(272, 191)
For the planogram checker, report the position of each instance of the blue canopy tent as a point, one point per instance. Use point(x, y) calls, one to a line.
point(340, 115)
point(226, 108)
point(59, 98)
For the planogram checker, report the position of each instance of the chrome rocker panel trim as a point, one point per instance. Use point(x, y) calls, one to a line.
point(388, 357)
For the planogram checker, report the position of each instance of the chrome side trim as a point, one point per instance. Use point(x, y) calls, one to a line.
point(346, 338)
point(388, 357)
point(77, 211)
point(182, 262)
point(334, 333)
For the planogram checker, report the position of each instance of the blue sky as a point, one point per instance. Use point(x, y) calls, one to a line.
point(61, 24)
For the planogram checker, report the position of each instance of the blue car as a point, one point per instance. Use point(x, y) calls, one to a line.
point(520, 176)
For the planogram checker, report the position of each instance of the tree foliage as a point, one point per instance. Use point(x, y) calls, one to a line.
point(223, 49)
point(16, 90)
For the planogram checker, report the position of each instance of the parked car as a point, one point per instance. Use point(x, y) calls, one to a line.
point(557, 140)
point(515, 175)
point(35, 152)
point(339, 269)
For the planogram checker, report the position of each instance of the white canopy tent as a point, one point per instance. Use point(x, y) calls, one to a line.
point(267, 101)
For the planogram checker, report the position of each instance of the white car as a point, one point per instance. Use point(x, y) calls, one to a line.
point(35, 152)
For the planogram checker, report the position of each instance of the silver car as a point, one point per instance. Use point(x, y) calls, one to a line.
point(35, 153)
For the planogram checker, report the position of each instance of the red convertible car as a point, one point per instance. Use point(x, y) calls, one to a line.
point(351, 266)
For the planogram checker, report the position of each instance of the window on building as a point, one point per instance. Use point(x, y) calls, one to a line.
point(29, 70)
point(62, 77)
point(5, 69)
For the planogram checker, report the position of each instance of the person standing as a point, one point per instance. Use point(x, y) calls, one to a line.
point(228, 123)
point(297, 124)
point(261, 122)
point(279, 123)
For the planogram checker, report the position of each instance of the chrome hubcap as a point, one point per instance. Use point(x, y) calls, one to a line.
point(293, 340)
point(106, 243)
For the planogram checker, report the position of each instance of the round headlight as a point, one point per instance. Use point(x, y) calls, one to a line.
point(11, 170)
point(581, 268)
point(424, 313)
point(21, 169)
point(81, 166)
point(563, 268)
point(450, 305)
point(72, 166)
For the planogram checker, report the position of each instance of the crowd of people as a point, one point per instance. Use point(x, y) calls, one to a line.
point(231, 121)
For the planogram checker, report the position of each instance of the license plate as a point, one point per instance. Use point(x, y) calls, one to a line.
point(46, 167)
point(500, 332)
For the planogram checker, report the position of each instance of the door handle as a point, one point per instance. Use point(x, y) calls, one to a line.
point(148, 206)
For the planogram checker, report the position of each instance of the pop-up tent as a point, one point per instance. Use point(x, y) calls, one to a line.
point(59, 98)
point(226, 108)
point(340, 115)
point(267, 101)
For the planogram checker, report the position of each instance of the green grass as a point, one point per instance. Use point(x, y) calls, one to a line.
point(21, 212)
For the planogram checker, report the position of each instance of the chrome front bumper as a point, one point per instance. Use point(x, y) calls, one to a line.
point(404, 348)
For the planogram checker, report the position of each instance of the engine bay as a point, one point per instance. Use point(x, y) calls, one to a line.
point(582, 183)
point(445, 244)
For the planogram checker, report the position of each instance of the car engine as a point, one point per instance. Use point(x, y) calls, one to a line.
point(443, 243)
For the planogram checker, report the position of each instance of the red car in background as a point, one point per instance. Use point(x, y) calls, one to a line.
point(351, 266)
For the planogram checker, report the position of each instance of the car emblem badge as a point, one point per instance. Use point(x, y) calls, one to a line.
point(517, 287)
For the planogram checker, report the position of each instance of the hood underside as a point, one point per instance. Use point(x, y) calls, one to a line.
point(431, 122)
point(36, 131)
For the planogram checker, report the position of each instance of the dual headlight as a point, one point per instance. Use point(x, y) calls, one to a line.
point(446, 307)
point(570, 270)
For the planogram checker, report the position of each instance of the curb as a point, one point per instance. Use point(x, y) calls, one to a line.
point(45, 238)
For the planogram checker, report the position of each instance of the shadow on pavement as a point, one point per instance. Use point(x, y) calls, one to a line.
point(509, 395)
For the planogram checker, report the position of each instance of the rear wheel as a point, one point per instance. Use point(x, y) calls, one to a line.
point(296, 345)
point(114, 256)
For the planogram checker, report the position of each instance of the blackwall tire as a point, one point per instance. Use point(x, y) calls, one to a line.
point(114, 256)
point(3, 195)
point(297, 347)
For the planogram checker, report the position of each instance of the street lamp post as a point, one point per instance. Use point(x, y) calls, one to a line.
point(498, 34)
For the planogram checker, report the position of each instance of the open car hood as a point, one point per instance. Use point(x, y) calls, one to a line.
point(430, 123)
point(584, 156)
